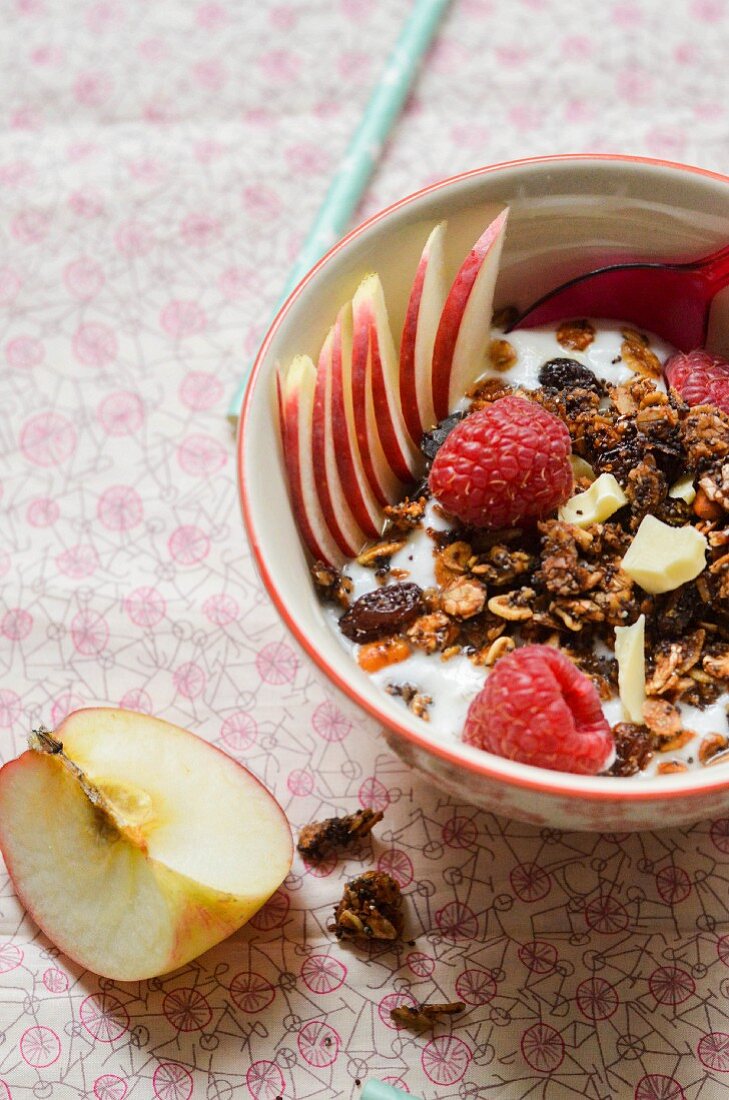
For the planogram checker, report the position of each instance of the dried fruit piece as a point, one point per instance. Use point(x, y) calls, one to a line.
point(384, 611)
point(699, 377)
point(370, 908)
point(321, 837)
point(373, 656)
point(538, 708)
point(568, 374)
point(505, 464)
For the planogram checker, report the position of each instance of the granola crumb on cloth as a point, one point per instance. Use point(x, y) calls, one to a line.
point(321, 837)
point(370, 908)
point(418, 1017)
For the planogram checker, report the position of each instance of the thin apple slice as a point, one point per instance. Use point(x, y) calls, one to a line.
point(465, 323)
point(376, 393)
point(354, 482)
point(134, 844)
point(296, 389)
point(422, 318)
point(338, 514)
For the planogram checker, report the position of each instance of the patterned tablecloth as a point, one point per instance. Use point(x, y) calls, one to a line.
point(159, 164)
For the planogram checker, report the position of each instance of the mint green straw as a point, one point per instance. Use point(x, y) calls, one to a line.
point(364, 149)
point(376, 1090)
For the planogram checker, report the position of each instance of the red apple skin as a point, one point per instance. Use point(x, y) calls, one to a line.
point(369, 517)
point(453, 310)
point(408, 381)
point(319, 460)
point(317, 538)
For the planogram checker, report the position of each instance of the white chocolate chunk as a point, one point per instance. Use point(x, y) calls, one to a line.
point(661, 558)
point(596, 504)
point(630, 654)
point(683, 489)
point(580, 468)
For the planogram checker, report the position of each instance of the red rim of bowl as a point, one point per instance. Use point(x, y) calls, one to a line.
point(544, 780)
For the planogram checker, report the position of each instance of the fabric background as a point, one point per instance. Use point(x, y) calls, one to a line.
point(159, 165)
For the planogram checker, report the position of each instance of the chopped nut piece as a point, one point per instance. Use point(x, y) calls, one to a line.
point(498, 649)
point(678, 741)
point(717, 663)
point(463, 598)
point(512, 606)
point(453, 560)
point(671, 767)
point(379, 553)
point(432, 632)
point(705, 436)
point(576, 335)
point(422, 1016)
point(636, 354)
point(320, 837)
point(662, 717)
point(502, 355)
point(405, 516)
point(417, 701)
point(332, 585)
point(370, 908)
point(711, 746)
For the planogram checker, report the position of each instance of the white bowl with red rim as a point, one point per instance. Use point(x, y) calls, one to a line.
point(568, 215)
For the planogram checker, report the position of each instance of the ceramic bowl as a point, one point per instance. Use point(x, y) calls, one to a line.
point(568, 214)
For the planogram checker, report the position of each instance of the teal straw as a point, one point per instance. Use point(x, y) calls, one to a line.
point(367, 142)
point(377, 1090)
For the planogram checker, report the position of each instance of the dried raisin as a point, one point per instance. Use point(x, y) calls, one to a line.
point(568, 374)
point(386, 610)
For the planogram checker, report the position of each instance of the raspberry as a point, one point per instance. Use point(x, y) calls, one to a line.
point(700, 378)
point(538, 708)
point(504, 464)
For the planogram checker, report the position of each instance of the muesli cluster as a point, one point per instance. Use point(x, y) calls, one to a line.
point(604, 505)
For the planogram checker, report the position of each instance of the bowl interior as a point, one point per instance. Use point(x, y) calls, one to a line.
point(567, 215)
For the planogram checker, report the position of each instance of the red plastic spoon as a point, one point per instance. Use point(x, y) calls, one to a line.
point(671, 300)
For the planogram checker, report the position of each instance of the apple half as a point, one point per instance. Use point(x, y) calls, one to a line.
point(465, 323)
point(134, 844)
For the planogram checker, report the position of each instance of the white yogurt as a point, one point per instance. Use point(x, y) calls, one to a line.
point(453, 683)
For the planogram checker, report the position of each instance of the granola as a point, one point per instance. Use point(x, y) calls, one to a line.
point(419, 1017)
point(370, 908)
point(321, 837)
point(484, 592)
